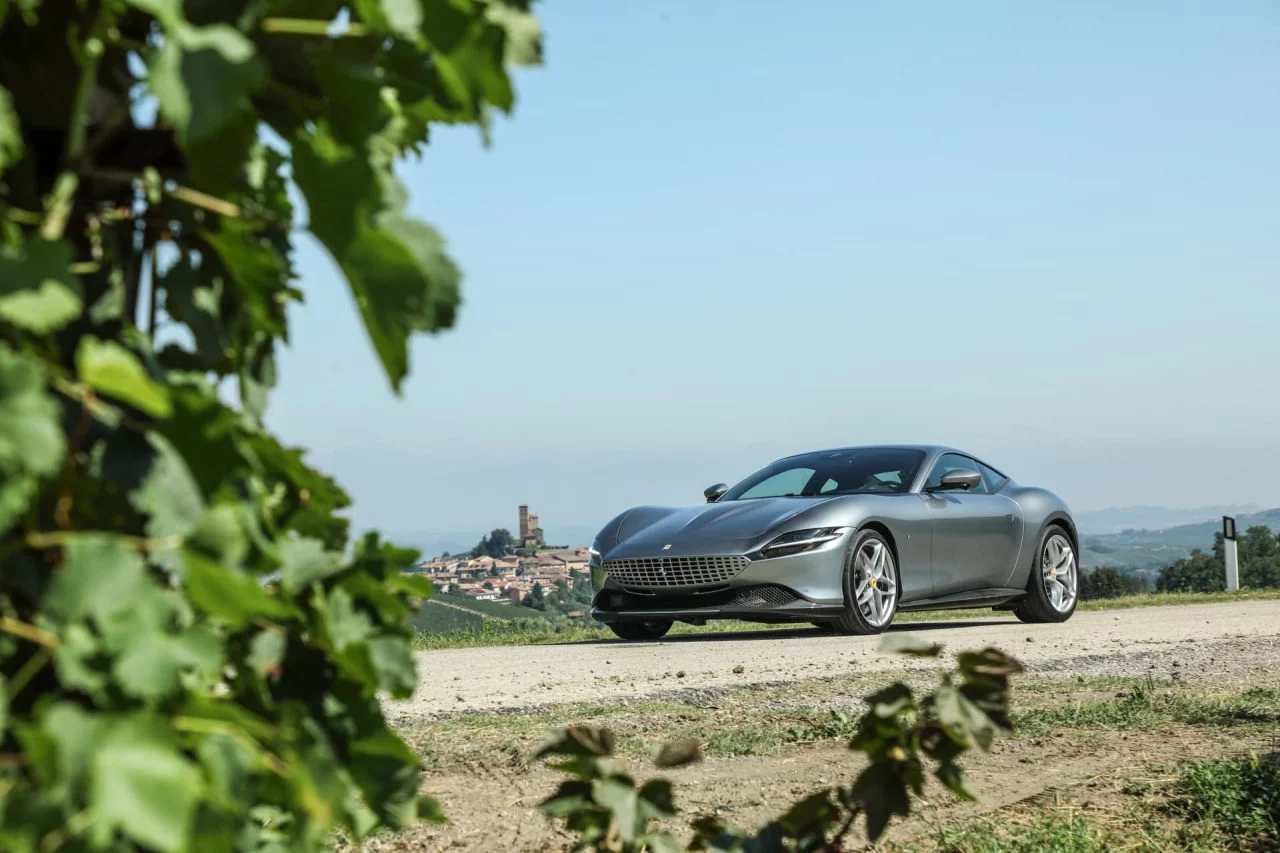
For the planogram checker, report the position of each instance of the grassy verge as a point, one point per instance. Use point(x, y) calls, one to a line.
point(1216, 806)
point(764, 721)
point(492, 633)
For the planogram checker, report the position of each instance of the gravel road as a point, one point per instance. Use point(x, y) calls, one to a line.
point(1201, 640)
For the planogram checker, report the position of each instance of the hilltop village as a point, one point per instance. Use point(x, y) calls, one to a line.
point(524, 565)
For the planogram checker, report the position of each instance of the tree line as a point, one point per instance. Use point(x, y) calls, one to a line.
point(1200, 571)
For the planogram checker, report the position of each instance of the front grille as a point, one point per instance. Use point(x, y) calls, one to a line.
point(663, 572)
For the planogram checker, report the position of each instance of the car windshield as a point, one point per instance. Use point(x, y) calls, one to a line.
point(834, 472)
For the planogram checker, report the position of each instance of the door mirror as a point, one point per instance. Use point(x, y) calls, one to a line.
point(714, 493)
point(959, 481)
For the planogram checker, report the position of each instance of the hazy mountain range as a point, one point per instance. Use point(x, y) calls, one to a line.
point(1148, 550)
point(1117, 519)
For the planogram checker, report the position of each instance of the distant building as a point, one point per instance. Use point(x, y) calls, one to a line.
point(530, 529)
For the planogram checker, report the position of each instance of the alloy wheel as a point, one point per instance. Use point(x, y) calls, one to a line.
point(875, 582)
point(1059, 572)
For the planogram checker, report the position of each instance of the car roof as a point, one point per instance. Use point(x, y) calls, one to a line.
point(926, 449)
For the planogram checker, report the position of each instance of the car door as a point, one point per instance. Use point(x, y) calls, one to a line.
point(976, 534)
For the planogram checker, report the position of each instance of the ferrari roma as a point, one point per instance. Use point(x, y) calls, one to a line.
point(843, 539)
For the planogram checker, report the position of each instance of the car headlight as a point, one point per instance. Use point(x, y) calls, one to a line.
point(798, 541)
point(596, 566)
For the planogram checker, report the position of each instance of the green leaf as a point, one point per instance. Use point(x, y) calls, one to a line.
point(399, 16)
point(266, 650)
point(909, 644)
point(4, 705)
point(151, 666)
point(10, 131)
point(30, 428)
point(883, 795)
point(115, 371)
point(952, 776)
point(229, 595)
point(202, 77)
point(143, 785)
point(619, 796)
point(100, 576)
point(169, 494)
point(400, 277)
point(220, 535)
point(81, 661)
point(523, 33)
point(656, 800)
point(304, 560)
point(393, 662)
point(228, 764)
point(37, 290)
point(430, 811)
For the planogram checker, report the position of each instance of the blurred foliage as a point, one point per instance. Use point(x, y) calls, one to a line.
point(191, 650)
point(899, 735)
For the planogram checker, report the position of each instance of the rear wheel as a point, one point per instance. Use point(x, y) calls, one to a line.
point(1054, 586)
point(870, 586)
point(639, 631)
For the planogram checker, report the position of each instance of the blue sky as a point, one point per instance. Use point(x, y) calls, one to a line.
point(714, 233)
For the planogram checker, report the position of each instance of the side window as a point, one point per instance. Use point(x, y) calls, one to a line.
point(789, 482)
point(994, 479)
point(955, 462)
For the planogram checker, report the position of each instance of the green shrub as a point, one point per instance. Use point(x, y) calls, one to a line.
point(191, 650)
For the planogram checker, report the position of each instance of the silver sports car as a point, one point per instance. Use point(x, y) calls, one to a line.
point(843, 539)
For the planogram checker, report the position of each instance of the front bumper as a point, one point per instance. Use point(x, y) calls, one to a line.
point(802, 587)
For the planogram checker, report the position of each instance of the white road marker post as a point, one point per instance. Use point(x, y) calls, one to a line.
point(1232, 558)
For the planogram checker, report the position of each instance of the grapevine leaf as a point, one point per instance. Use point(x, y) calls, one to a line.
point(31, 438)
point(151, 666)
point(266, 650)
point(621, 798)
point(304, 560)
point(10, 132)
point(37, 290)
point(393, 662)
point(400, 277)
point(142, 784)
point(229, 595)
point(399, 16)
point(168, 493)
point(202, 77)
point(100, 576)
point(115, 371)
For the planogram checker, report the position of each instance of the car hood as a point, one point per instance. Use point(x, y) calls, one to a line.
point(717, 528)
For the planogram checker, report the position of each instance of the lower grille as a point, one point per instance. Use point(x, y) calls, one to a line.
point(763, 596)
point(664, 572)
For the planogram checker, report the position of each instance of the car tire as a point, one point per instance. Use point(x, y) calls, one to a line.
point(868, 555)
point(1054, 552)
point(640, 631)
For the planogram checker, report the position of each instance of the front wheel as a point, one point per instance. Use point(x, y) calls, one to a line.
point(640, 631)
point(1054, 585)
point(870, 586)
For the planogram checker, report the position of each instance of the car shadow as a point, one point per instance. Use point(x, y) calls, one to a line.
point(793, 633)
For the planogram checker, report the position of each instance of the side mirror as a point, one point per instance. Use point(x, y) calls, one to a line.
point(959, 481)
point(714, 493)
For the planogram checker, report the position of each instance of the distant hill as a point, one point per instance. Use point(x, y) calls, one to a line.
point(1121, 518)
point(1148, 550)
